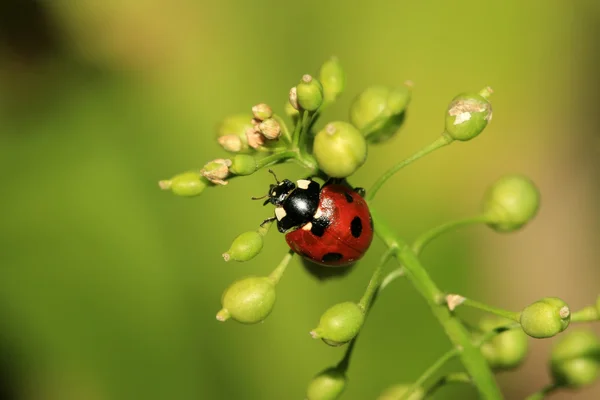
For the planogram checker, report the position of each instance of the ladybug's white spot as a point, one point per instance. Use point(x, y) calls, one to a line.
point(307, 227)
point(280, 213)
point(273, 193)
point(318, 213)
point(303, 183)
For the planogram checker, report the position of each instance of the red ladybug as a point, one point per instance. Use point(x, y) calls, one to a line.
point(329, 225)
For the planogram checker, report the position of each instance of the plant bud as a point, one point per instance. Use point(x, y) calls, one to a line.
point(468, 114)
point(249, 300)
point(506, 350)
point(339, 324)
point(270, 128)
point(188, 184)
point(575, 359)
point(262, 112)
point(294, 98)
point(310, 93)
point(216, 171)
point(327, 385)
point(378, 112)
point(545, 318)
point(291, 112)
point(396, 392)
point(245, 247)
point(235, 126)
point(243, 164)
point(510, 203)
point(339, 149)
point(254, 138)
point(333, 79)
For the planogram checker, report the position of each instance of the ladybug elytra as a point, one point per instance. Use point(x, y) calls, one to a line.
point(330, 225)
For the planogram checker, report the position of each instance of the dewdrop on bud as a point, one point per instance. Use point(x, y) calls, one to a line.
point(340, 149)
point(333, 79)
point(339, 324)
point(397, 392)
point(294, 98)
point(216, 171)
point(468, 114)
point(510, 203)
point(249, 300)
point(506, 350)
point(231, 133)
point(310, 93)
point(575, 359)
point(187, 184)
point(327, 385)
point(245, 247)
point(270, 128)
point(262, 112)
point(545, 318)
point(243, 164)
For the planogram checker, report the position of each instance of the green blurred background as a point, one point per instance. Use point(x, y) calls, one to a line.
point(109, 287)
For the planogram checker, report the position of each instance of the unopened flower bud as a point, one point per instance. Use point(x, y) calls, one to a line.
point(235, 126)
point(291, 112)
point(243, 164)
point(545, 318)
point(217, 170)
point(508, 349)
point(249, 300)
point(339, 149)
point(255, 138)
point(294, 98)
point(339, 324)
point(327, 385)
point(262, 111)
point(231, 143)
point(270, 128)
point(575, 359)
point(187, 184)
point(396, 392)
point(468, 114)
point(333, 79)
point(511, 202)
point(310, 93)
point(245, 247)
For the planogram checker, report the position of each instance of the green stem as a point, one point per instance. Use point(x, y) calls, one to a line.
point(284, 128)
point(454, 377)
point(367, 299)
point(344, 363)
point(472, 359)
point(493, 310)
point(389, 278)
point(495, 332)
point(428, 236)
point(277, 273)
point(299, 129)
point(540, 394)
point(586, 314)
point(429, 372)
point(275, 158)
point(442, 141)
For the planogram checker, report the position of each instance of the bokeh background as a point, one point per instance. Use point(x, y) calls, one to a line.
point(109, 287)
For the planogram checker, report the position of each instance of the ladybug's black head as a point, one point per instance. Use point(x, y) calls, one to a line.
point(278, 193)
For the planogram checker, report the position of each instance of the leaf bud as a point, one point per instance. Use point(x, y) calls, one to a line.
point(187, 184)
point(575, 359)
point(310, 93)
point(468, 114)
point(333, 79)
point(245, 247)
point(511, 202)
point(327, 385)
point(396, 392)
point(270, 129)
point(545, 318)
point(249, 300)
point(217, 170)
point(294, 98)
point(262, 111)
point(506, 350)
point(339, 324)
point(243, 164)
point(339, 149)
point(235, 126)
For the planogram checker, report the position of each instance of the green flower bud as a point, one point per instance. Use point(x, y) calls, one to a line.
point(245, 247)
point(291, 112)
point(339, 324)
point(396, 392)
point(510, 203)
point(310, 93)
point(243, 164)
point(249, 300)
point(232, 127)
point(339, 149)
point(262, 111)
point(216, 171)
point(270, 128)
point(188, 184)
point(468, 114)
point(327, 385)
point(545, 318)
point(506, 350)
point(332, 78)
point(575, 359)
point(378, 112)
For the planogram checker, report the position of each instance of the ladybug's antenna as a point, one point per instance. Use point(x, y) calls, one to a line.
point(275, 176)
point(259, 198)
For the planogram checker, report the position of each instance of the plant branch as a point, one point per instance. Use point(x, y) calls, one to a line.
point(430, 371)
point(367, 299)
point(540, 394)
point(425, 238)
point(514, 316)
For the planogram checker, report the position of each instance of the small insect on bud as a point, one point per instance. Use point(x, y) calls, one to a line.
point(575, 359)
point(216, 171)
point(231, 133)
point(262, 111)
point(243, 164)
point(270, 128)
point(249, 300)
point(545, 318)
point(510, 203)
point(508, 349)
point(378, 112)
point(333, 79)
point(188, 184)
point(468, 114)
point(339, 149)
point(396, 392)
point(339, 324)
point(327, 385)
point(294, 98)
point(245, 247)
point(310, 93)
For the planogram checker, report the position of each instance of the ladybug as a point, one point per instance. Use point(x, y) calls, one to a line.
point(329, 225)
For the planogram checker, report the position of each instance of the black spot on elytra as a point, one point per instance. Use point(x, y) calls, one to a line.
point(356, 227)
point(319, 225)
point(329, 257)
point(349, 198)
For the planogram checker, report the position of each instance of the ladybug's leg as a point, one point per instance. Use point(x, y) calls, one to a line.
point(360, 191)
point(334, 181)
point(266, 221)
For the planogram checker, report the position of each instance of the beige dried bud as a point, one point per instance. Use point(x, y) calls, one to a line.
point(294, 98)
point(231, 143)
point(262, 111)
point(270, 128)
point(255, 139)
point(217, 170)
